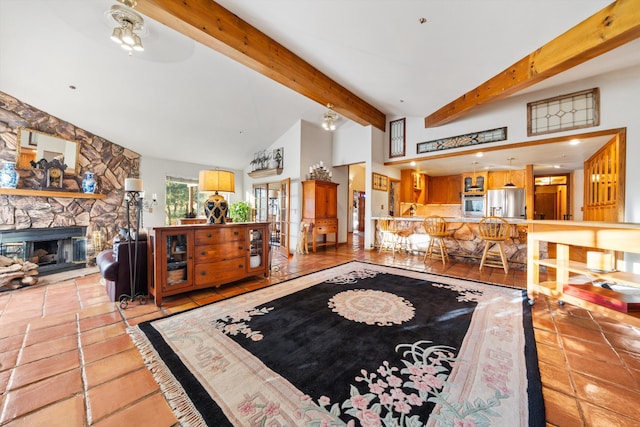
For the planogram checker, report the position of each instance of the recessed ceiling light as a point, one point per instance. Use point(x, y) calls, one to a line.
point(574, 142)
point(412, 163)
point(479, 154)
point(556, 166)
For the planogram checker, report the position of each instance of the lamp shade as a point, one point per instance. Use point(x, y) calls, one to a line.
point(216, 180)
point(133, 184)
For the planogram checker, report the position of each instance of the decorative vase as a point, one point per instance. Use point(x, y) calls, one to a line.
point(89, 183)
point(9, 175)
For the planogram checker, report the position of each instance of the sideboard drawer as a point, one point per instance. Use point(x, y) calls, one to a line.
point(219, 252)
point(220, 272)
point(324, 226)
point(216, 235)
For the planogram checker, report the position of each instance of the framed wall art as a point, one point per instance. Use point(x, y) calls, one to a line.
point(380, 182)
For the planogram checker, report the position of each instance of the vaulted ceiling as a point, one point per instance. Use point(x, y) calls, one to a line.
point(283, 60)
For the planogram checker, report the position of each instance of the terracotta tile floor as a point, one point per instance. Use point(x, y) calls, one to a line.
point(66, 360)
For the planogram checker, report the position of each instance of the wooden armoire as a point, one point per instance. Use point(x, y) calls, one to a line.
point(320, 208)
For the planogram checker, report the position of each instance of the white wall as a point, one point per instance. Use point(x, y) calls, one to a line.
point(154, 171)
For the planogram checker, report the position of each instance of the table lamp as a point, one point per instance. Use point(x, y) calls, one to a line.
point(216, 207)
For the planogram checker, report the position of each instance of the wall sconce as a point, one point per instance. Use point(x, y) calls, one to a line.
point(148, 205)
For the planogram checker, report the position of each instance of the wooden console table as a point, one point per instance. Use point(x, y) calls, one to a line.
point(622, 237)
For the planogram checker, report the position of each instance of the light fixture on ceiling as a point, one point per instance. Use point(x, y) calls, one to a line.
point(509, 184)
point(329, 118)
point(130, 26)
point(474, 186)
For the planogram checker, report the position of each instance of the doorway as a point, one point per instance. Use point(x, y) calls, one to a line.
point(551, 197)
point(358, 211)
point(356, 215)
point(272, 203)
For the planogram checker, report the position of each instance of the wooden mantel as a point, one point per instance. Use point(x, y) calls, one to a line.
point(48, 193)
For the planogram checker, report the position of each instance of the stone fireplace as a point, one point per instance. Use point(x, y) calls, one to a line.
point(52, 249)
point(31, 215)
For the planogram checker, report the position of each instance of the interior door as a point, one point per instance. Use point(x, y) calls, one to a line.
point(545, 205)
point(284, 224)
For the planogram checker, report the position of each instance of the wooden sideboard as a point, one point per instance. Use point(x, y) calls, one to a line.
point(188, 257)
point(574, 236)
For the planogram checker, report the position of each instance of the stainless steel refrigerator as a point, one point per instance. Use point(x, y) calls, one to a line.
point(507, 203)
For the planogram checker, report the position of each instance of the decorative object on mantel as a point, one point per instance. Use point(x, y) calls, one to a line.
point(493, 135)
point(9, 175)
point(89, 183)
point(133, 198)
point(53, 174)
point(319, 172)
point(216, 207)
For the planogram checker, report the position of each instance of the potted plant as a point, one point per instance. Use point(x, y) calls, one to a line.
point(240, 211)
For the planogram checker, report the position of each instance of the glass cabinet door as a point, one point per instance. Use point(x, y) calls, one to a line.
point(256, 256)
point(178, 269)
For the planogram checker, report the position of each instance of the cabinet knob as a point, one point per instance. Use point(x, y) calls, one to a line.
point(203, 273)
point(203, 253)
point(235, 233)
point(209, 235)
point(240, 265)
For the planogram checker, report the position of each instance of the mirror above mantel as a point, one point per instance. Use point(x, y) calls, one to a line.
point(34, 146)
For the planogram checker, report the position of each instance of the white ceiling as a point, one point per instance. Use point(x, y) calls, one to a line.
point(180, 100)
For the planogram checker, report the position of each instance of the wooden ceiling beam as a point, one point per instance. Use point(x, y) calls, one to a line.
point(611, 27)
point(208, 23)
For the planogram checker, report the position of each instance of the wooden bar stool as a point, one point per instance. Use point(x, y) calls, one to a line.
point(436, 227)
point(494, 230)
point(386, 228)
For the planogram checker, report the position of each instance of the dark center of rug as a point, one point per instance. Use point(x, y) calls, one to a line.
point(372, 307)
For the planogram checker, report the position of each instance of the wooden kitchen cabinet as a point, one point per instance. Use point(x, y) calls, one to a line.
point(188, 257)
point(414, 186)
point(468, 179)
point(320, 208)
point(444, 189)
point(498, 179)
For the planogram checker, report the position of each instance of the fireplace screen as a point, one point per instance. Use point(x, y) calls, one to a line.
point(53, 249)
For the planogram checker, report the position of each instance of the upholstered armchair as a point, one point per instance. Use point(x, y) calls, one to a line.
point(115, 268)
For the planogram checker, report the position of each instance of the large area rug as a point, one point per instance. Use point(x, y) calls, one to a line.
point(354, 345)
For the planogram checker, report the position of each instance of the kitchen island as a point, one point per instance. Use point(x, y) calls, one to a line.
point(464, 242)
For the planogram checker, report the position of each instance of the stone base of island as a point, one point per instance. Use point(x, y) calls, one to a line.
point(464, 243)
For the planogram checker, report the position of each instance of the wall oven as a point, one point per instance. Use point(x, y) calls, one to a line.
point(473, 205)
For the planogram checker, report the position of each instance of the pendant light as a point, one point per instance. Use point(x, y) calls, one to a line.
point(474, 186)
point(509, 184)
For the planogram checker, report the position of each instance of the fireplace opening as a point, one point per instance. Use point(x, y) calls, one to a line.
point(52, 249)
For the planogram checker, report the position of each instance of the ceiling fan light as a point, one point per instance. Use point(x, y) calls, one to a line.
point(137, 43)
point(116, 36)
point(127, 35)
point(126, 47)
point(328, 118)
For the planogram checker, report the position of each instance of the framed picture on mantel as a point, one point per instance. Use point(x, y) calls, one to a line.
point(380, 182)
